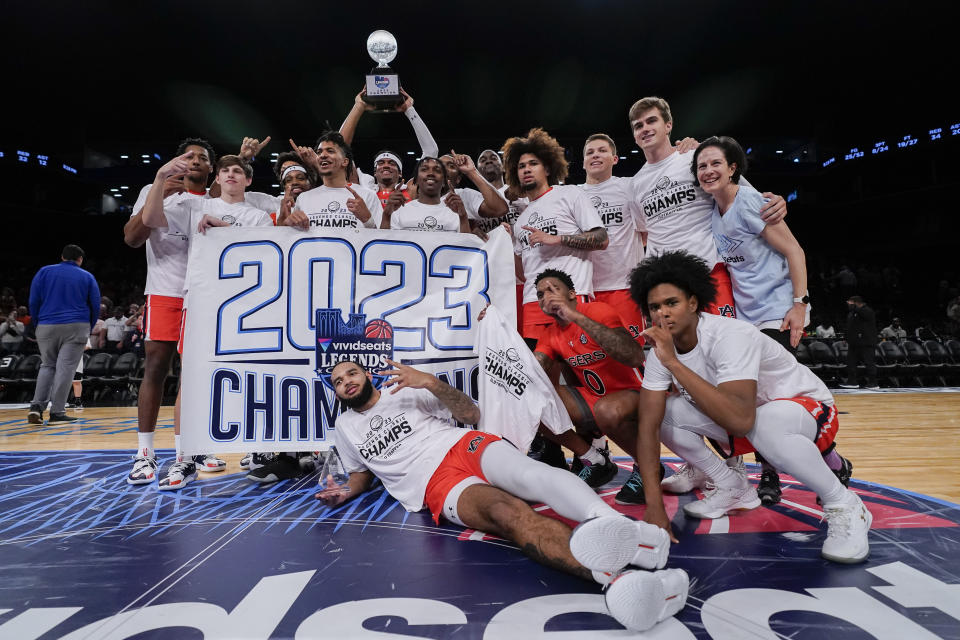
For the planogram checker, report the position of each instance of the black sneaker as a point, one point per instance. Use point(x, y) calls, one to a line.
point(843, 474)
point(547, 452)
point(769, 487)
point(632, 490)
point(280, 468)
point(598, 473)
point(59, 418)
point(35, 416)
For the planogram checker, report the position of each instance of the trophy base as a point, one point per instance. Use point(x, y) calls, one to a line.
point(383, 90)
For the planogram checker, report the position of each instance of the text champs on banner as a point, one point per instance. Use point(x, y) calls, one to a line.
point(271, 310)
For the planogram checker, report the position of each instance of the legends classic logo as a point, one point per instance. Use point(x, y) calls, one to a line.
point(369, 343)
point(505, 370)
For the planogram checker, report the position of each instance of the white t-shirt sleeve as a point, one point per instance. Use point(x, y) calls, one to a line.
point(583, 211)
point(366, 180)
point(141, 199)
point(736, 357)
point(472, 200)
point(263, 201)
point(432, 405)
point(375, 206)
point(656, 377)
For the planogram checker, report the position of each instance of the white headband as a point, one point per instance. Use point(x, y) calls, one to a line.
point(484, 151)
point(293, 167)
point(388, 156)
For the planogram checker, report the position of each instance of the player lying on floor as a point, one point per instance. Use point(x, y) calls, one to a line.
point(736, 386)
point(407, 439)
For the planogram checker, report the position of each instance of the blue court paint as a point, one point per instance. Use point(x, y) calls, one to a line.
point(85, 555)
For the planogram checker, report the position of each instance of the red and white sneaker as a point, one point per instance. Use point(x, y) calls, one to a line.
point(144, 470)
point(179, 475)
point(209, 463)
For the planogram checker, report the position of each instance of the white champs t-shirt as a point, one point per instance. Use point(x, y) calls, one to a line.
point(417, 216)
point(562, 210)
point(729, 349)
point(327, 207)
point(614, 202)
point(166, 251)
point(402, 439)
point(676, 212)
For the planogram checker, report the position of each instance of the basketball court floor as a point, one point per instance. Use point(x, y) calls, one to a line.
point(83, 555)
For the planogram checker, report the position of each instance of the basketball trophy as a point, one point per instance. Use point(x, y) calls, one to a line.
point(383, 84)
point(333, 467)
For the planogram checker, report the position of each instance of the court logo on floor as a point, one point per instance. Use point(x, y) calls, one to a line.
point(234, 559)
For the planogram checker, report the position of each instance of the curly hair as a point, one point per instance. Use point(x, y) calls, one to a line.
point(544, 147)
point(555, 273)
point(683, 270)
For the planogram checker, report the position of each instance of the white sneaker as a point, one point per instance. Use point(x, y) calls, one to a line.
point(639, 599)
point(609, 543)
point(209, 463)
point(718, 501)
point(847, 527)
point(179, 475)
point(245, 460)
point(685, 479)
point(144, 470)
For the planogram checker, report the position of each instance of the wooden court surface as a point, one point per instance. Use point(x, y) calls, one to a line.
point(905, 440)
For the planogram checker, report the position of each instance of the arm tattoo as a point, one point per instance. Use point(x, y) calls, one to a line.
point(589, 240)
point(459, 403)
point(616, 342)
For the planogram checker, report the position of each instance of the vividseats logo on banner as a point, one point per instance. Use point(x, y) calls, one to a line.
point(270, 311)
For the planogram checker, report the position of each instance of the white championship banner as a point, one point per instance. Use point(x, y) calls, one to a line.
point(271, 310)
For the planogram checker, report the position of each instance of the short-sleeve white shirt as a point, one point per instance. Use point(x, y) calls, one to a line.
point(417, 216)
point(327, 207)
point(562, 210)
point(614, 203)
point(676, 212)
point(402, 439)
point(729, 349)
point(166, 252)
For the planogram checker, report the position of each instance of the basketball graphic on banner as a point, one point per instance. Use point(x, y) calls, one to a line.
point(378, 328)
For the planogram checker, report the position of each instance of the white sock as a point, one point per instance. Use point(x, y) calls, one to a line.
point(145, 444)
point(176, 444)
point(600, 443)
point(593, 456)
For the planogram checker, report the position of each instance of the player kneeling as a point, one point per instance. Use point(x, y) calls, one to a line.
point(407, 439)
point(735, 385)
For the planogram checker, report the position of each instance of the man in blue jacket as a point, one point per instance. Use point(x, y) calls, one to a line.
point(66, 303)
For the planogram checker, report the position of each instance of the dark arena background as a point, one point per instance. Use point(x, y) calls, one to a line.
point(843, 108)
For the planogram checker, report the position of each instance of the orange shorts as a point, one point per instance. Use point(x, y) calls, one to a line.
point(630, 314)
point(826, 416)
point(723, 305)
point(460, 463)
point(162, 318)
point(535, 320)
